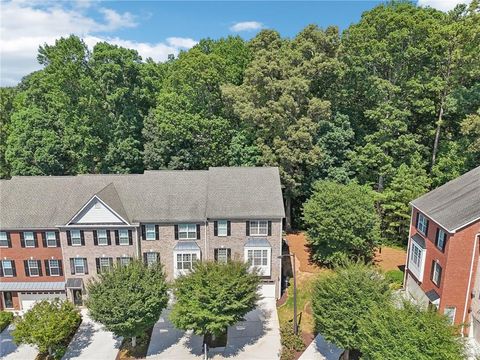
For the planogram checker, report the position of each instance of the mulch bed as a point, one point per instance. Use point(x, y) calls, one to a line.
point(126, 351)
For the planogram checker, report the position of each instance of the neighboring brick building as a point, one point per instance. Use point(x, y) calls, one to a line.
point(175, 217)
point(443, 270)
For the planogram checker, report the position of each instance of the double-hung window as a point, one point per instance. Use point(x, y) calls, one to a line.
point(51, 239)
point(151, 258)
point(422, 225)
point(259, 227)
point(33, 268)
point(29, 239)
point(104, 264)
point(259, 258)
point(102, 238)
point(187, 231)
point(54, 267)
point(3, 239)
point(416, 261)
point(79, 266)
point(436, 273)
point(123, 238)
point(150, 233)
point(450, 313)
point(222, 228)
point(7, 268)
point(222, 255)
point(124, 260)
point(76, 237)
point(441, 239)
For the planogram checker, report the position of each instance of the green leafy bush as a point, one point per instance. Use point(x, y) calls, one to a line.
point(291, 343)
point(6, 318)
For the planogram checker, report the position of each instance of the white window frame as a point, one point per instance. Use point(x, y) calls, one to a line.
point(30, 267)
point(222, 228)
point(102, 237)
point(150, 232)
point(436, 272)
point(77, 266)
point(250, 253)
point(102, 266)
point(3, 239)
point(185, 231)
point(422, 224)
point(442, 234)
point(57, 267)
point(74, 239)
point(416, 260)
point(9, 262)
point(125, 260)
point(450, 312)
point(32, 239)
point(187, 257)
point(151, 262)
point(222, 258)
point(51, 236)
point(256, 227)
point(124, 237)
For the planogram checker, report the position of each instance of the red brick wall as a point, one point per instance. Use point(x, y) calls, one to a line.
point(19, 254)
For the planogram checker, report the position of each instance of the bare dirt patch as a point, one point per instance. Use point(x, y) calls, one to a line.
point(390, 258)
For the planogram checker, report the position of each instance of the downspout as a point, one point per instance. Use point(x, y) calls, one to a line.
point(279, 291)
point(408, 251)
point(467, 294)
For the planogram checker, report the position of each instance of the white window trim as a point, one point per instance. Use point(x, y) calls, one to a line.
point(102, 266)
point(103, 238)
point(32, 239)
point(226, 255)
point(124, 259)
point(11, 268)
point(436, 272)
point(54, 238)
point(264, 270)
point(147, 232)
point(156, 256)
point(79, 237)
point(179, 272)
point(75, 266)
point(225, 229)
point(257, 228)
point(440, 232)
point(120, 237)
point(418, 271)
point(4, 233)
point(454, 313)
point(420, 228)
point(55, 267)
point(30, 268)
point(187, 232)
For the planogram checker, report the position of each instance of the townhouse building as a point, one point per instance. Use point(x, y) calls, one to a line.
point(442, 268)
point(172, 217)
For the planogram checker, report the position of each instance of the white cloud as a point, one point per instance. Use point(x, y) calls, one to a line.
point(442, 5)
point(24, 26)
point(246, 26)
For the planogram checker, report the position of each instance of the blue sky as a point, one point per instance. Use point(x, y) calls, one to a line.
point(158, 28)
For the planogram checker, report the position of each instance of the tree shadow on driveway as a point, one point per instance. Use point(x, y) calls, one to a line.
point(81, 340)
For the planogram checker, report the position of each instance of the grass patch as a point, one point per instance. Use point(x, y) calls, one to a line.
point(140, 351)
point(395, 277)
point(6, 317)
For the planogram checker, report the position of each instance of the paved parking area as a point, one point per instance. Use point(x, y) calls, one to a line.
point(256, 338)
point(10, 351)
point(92, 341)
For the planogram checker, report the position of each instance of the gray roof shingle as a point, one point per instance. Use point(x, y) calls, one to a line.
point(454, 204)
point(29, 202)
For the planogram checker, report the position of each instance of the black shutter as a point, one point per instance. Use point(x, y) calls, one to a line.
point(176, 231)
point(144, 232)
point(35, 239)
point(110, 261)
point(439, 275)
point(85, 265)
point(215, 228)
point(247, 228)
point(1, 269)
point(97, 263)
point(215, 254)
point(9, 240)
point(198, 231)
point(426, 230)
point(130, 237)
point(229, 254)
point(44, 239)
point(145, 258)
point(444, 240)
point(25, 265)
point(82, 238)
point(109, 238)
point(95, 237)
point(39, 264)
point(22, 240)
point(157, 257)
point(157, 232)
point(72, 266)
point(269, 228)
point(69, 238)
point(229, 231)
point(416, 220)
point(437, 237)
point(47, 268)
point(117, 239)
point(14, 270)
point(57, 238)
point(60, 267)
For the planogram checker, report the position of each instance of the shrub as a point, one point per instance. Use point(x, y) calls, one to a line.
point(6, 318)
point(291, 343)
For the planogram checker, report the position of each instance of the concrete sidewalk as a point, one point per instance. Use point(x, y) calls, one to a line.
point(256, 338)
point(92, 341)
point(10, 351)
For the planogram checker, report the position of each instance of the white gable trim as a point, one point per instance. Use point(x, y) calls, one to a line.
point(95, 198)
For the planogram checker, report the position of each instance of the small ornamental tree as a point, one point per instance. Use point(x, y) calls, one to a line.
point(341, 299)
point(391, 333)
point(47, 325)
point(213, 297)
point(128, 300)
point(342, 222)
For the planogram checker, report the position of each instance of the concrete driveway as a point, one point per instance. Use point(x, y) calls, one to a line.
point(256, 338)
point(10, 351)
point(92, 342)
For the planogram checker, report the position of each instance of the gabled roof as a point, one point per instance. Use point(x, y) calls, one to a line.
point(454, 204)
point(29, 202)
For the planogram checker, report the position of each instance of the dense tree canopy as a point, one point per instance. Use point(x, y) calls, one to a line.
point(397, 91)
